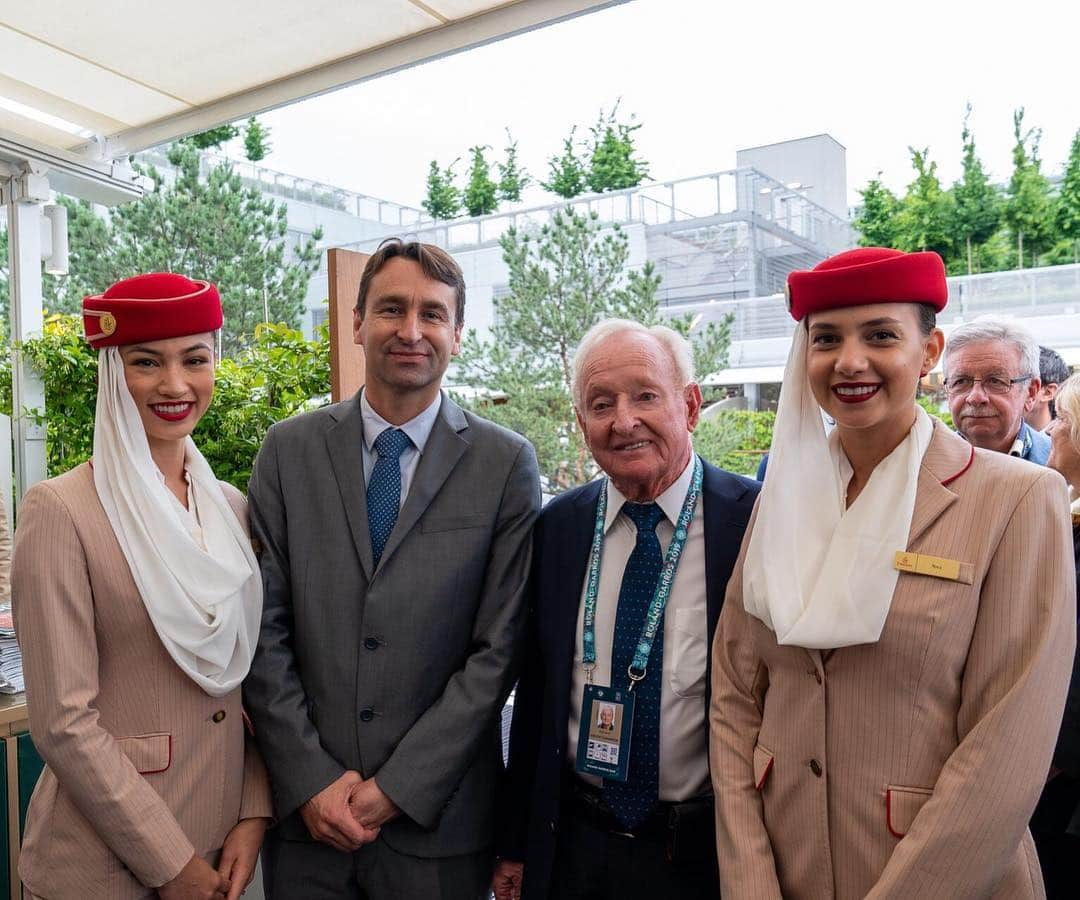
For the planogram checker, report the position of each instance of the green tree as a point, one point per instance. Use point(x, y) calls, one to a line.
point(563, 279)
point(567, 176)
point(443, 200)
point(218, 230)
point(735, 439)
point(213, 138)
point(1068, 206)
point(279, 375)
point(256, 140)
point(481, 195)
point(876, 221)
point(978, 209)
point(925, 219)
point(613, 161)
point(1029, 210)
point(513, 179)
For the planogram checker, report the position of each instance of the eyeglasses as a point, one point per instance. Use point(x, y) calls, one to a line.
point(992, 384)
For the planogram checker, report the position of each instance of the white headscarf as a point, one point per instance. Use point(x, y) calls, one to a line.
point(817, 573)
point(206, 605)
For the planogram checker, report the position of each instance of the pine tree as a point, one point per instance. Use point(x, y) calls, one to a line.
point(925, 219)
point(218, 230)
point(256, 140)
point(613, 165)
point(567, 175)
point(213, 138)
point(443, 200)
point(1068, 207)
point(978, 207)
point(1029, 209)
point(513, 179)
point(481, 195)
point(876, 221)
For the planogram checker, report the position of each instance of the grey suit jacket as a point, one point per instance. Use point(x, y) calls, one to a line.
point(398, 671)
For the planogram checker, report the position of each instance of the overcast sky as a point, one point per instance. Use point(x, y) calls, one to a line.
point(705, 78)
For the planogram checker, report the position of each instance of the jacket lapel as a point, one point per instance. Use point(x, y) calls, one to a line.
point(344, 441)
point(946, 459)
point(443, 449)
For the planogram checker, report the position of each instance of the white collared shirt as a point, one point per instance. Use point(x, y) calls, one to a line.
point(418, 429)
point(684, 762)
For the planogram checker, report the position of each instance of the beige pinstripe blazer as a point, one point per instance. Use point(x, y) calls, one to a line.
point(907, 768)
point(143, 768)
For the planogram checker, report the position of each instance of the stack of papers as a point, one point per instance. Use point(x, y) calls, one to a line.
point(11, 672)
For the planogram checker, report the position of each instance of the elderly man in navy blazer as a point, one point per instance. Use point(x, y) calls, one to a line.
point(629, 574)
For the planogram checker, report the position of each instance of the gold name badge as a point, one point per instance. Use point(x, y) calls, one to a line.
point(921, 564)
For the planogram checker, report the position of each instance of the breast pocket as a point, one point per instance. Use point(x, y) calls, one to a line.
point(689, 652)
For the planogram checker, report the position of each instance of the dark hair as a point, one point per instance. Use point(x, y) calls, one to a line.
point(435, 262)
point(1052, 368)
point(927, 319)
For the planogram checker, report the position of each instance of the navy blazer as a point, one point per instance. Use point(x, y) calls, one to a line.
point(529, 805)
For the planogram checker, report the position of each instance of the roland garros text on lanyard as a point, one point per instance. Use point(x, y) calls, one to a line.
point(637, 668)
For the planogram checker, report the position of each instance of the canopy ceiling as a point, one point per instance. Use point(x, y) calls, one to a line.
point(112, 77)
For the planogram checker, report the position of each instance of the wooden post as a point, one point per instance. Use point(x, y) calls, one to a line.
point(344, 268)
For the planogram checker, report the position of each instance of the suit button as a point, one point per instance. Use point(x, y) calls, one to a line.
point(219, 716)
point(815, 767)
point(552, 824)
point(371, 644)
point(367, 714)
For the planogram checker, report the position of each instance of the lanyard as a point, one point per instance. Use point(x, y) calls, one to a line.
point(637, 667)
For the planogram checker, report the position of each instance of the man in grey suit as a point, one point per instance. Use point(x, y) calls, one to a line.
point(395, 549)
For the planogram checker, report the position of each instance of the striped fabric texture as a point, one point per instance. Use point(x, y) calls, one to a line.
point(143, 768)
point(910, 767)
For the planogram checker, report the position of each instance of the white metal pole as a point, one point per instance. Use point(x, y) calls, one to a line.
point(22, 196)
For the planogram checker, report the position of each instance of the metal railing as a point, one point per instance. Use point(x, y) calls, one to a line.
point(306, 190)
point(743, 193)
point(1023, 293)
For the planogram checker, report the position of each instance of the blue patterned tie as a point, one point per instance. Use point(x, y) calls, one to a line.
point(632, 800)
point(384, 488)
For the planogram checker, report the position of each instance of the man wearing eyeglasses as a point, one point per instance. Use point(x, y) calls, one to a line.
point(992, 379)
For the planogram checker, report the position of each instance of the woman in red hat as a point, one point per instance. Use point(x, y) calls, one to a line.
point(891, 662)
point(137, 600)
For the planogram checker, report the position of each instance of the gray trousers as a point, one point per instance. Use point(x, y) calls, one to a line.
point(306, 870)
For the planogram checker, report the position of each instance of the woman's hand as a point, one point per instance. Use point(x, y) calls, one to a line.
point(196, 881)
point(240, 853)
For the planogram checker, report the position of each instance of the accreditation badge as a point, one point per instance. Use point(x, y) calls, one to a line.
point(607, 718)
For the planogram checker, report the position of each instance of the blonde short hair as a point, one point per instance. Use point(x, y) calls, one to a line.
point(677, 347)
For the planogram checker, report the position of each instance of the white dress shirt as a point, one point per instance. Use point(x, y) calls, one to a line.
point(418, 429)
point(684, 734)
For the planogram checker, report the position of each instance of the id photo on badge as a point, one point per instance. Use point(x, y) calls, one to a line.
point(607, 722)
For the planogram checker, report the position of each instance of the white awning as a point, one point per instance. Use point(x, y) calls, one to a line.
point(113, 77)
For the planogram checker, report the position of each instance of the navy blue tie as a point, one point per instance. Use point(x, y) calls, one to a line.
point(384, 488)
point(632, 800)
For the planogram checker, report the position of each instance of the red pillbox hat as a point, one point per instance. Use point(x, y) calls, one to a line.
point(151, 308)
point(868, 275)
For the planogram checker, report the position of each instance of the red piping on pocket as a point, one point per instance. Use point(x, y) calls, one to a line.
point(764, 775)
point(888, 808)
point(167, 764)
